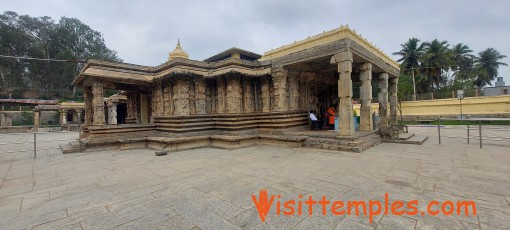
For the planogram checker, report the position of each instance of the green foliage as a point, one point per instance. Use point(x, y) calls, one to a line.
point(437, 67)
point(27, 118)
point(405, 85)
point(41, 37)
point(487, 66)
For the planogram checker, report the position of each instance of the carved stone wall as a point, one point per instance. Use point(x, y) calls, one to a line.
point(257, 95)
point(280, 88)
point(266, 94)
point(221, 95)
point(309, 90)
point(248, 96)
point(98, 103)
point(192, 97)
point(181, 97)
point(167, 99)
point(133, 115)
point(157, 101)
point(200, 96)
point(210, 97)
point(294, 91)
point(234, 94)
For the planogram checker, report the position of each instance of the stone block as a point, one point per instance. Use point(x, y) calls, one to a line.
point(345, 67)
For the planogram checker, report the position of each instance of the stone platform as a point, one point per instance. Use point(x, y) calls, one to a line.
point(290, 138)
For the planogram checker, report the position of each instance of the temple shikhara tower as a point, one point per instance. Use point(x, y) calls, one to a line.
point(238, 97)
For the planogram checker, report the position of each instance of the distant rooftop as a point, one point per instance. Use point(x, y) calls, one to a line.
point(233, 53)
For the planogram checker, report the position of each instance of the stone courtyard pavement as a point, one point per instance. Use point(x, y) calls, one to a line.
point(211, 188)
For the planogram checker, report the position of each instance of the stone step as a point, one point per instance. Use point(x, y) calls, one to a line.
point(72, 147)
point(405, 136)
point(415, 140)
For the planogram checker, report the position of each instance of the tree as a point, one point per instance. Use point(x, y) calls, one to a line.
point(486, 67)
point(435, 61)
point(411, 54)
point(41, 37)
point(462, 61)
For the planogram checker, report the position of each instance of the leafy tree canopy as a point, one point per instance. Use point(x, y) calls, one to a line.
point(439, 66)
point(42, 37)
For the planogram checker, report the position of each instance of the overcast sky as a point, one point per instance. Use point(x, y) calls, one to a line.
point(143, 32)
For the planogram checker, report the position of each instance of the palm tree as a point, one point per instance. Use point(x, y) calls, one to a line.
point(435, 61)
point(411, 54)
point(462, 61)
point(486, 67)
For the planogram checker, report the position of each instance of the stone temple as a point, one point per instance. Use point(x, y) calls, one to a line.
point(238, 98)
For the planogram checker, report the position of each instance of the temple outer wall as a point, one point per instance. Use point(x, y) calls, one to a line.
point(496, 106)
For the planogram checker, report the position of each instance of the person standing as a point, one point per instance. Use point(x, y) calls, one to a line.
point(331, 116)
point(313, 119)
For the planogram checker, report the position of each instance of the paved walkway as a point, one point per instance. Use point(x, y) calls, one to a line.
point(211, 188)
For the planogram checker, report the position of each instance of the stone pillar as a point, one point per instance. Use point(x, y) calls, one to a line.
point(132, 107)
point(181, 97)
point(280, 89)
point(209, 99)
point(266, 95)
point(383, 100)
point(393, 100)
point(248, 96)
point(78, 114)
point(234, 95)
point(63, 117)
point(366, 123)
point(294, 91)
point(112, 113)
point(89, 109)
point(344, 61)
point(220, 85)
point(37, 120)
point(98, 103)
point(200, 96)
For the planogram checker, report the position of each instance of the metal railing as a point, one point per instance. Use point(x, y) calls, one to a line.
point(475, 122)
